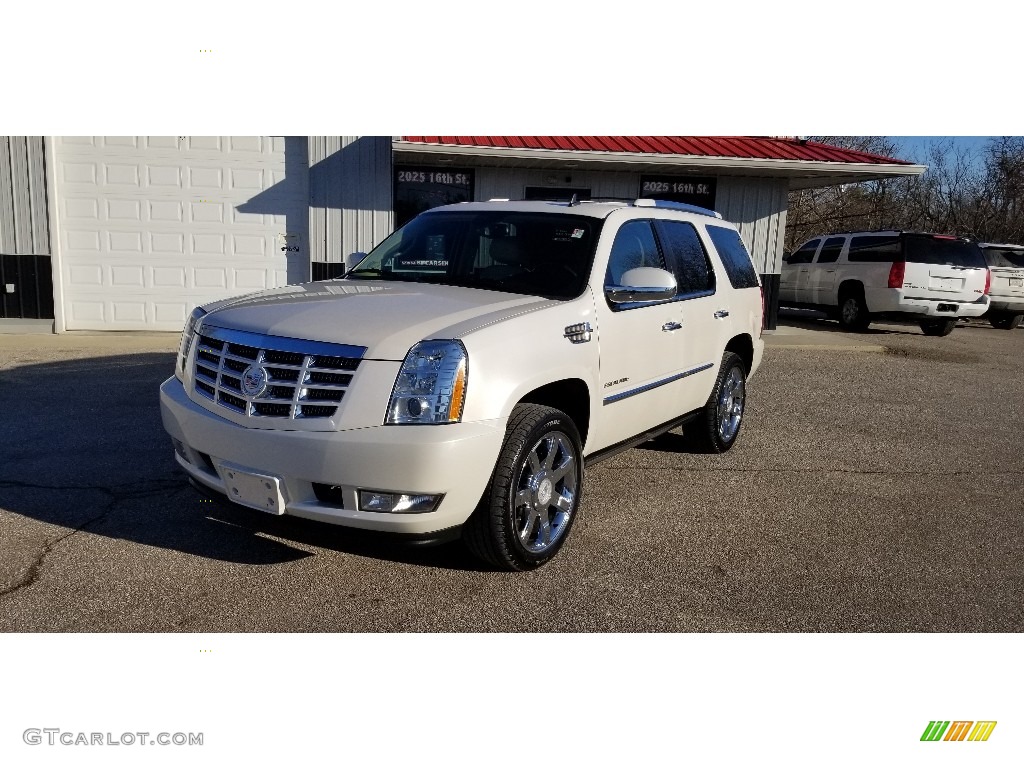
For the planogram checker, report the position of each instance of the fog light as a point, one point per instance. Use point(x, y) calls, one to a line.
point(179, 448)
point(382, 501)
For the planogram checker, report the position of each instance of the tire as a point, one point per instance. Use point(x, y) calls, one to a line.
point(716, 428)
point(1006, 322)
point(938, 327)
point(853, 312)
point(531, 501)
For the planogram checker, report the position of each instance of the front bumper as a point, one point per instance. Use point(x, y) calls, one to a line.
point(452, 459)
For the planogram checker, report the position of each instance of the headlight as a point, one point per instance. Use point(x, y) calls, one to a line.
point(187, 335)
point(431, 386)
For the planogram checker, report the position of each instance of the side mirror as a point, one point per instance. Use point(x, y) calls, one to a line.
point(642, 284)
point(353, 259)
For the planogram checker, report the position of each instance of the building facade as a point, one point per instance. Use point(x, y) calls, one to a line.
point(131, 232)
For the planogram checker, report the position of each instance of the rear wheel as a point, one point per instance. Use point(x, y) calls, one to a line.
point(938, 327)
point(530, 504)
point(718, 425)
point(853, 311)
point(1006, 322)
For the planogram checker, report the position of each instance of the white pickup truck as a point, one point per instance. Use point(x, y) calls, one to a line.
point(459, 379)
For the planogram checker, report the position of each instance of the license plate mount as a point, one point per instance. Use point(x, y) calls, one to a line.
point(945, 308)
point(252, 489)
point(1017, 282)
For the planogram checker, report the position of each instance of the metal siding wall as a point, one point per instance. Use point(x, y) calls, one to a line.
point(6, 198)
point(24, 222)
point(758, 207)
point(22, 196)
point(24, 230)
point(350, 195)
point(37, 193)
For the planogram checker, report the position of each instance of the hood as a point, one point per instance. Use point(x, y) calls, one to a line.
point(386, 318)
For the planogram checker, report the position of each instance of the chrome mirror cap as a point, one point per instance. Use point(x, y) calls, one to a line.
point(642, 284)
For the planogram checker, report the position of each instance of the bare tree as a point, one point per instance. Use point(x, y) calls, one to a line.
point(868, 205)
point(960, 193)
point(1004, 190)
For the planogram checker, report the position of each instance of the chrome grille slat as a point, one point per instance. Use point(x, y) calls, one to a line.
point(331, 387)
point(313, 389)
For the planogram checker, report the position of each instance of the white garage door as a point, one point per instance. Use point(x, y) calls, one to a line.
point(152, 226)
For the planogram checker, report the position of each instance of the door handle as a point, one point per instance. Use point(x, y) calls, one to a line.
point(671, 326)
point(722, 313)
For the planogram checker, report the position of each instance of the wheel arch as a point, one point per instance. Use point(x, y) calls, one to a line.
point(850, 285)
point(743, 345)
point(571, 396)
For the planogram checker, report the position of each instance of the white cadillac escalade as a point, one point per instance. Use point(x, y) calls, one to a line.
point(461, 377)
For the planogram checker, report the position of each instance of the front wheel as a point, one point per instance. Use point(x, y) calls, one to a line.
point(718, 425)
point(531, 501)
point(938, 327)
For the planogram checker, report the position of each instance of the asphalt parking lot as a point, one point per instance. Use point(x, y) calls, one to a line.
point(876, 487)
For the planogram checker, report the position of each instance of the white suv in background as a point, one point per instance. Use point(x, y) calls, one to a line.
point(1006, 263)
point(464, 374)
point(858, 276)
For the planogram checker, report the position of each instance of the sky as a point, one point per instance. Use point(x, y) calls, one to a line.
point(915, 148)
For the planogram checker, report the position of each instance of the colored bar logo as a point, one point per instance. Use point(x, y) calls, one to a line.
point(958, 730)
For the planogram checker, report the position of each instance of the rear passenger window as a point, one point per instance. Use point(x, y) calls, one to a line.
point(734, 255)
point(634, 247)
point(804, 254)
point(1004, 257)
point(686, 257)
point(830, 250)
point(874, 248)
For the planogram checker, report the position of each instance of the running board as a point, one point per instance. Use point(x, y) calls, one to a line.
point(643, 437)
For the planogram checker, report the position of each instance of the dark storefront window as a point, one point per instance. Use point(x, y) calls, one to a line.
point(418, 189)
point(680, 189)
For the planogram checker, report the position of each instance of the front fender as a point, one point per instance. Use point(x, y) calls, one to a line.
point(509, 359)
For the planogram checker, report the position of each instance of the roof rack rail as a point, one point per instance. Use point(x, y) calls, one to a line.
point(572, 201)
point(646, 202)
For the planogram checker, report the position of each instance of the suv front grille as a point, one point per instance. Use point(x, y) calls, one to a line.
point(295, 379)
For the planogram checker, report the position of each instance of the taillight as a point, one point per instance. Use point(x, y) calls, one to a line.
point(896, 273)
point(988, 281)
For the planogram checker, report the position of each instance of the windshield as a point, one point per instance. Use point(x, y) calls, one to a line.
point(539, 254)
point(928, 249)
point(1004, 257)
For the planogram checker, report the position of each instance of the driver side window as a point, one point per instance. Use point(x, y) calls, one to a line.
point(634, 247)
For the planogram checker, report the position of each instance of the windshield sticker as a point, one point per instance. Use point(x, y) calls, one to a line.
point(435, 247)
point(565, 235)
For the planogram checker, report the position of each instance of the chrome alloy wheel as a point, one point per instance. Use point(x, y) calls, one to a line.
point(547, 492)
point(730, 404)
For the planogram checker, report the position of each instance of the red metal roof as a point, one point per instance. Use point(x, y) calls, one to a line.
point(754, 147)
